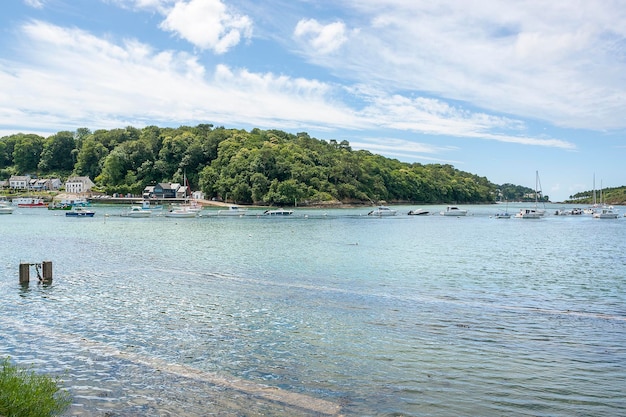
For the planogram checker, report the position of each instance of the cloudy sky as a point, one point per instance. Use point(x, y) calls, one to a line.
point(497, 88)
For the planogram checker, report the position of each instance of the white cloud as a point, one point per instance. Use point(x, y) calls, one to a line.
point(37, 4)
point(207, 24)
point(82, 80)
point(324, 39)
point(563, 61)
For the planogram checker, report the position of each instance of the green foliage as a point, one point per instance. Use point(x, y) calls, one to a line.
point(614, 195)
point(23, 393)
point(260, 166)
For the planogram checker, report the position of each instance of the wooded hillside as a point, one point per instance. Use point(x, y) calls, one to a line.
point(261, 166)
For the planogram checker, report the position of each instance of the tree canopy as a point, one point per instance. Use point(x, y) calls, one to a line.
point(270, 167)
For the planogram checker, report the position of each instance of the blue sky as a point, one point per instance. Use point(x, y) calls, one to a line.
point(497, 88)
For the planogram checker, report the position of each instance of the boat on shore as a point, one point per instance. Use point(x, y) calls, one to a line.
point(381, 211)
point(453, 211)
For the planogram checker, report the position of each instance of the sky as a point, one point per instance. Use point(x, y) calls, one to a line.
point(500, 89)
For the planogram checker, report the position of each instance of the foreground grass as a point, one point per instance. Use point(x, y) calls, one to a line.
point(23, 393)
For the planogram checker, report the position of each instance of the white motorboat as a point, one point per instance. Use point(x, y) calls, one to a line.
point(137, 212)
point(182, 212)
point(606, 213)
point(6, 208)
point(418, 212)
point(529, 213)
point(453, 211)
point(382, 211)
point(232, 211)
point(278, 212)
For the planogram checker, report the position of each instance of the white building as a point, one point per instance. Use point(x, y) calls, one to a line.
point(19, 182)
point(78, 185)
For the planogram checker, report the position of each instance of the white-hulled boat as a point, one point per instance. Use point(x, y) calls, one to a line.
point(418, 212)
point(606, 213)
point(5, 208)
point(453, 211)
point(232, 211)
point(533, 213)
point(278, 212)
point(137, 212)
point(382, 211)
point(182, 212)
point(529, 213)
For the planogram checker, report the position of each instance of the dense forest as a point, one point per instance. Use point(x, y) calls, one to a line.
point(268, 167)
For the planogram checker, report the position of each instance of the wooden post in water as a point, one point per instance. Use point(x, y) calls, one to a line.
point(24, 273)
point(47, 270)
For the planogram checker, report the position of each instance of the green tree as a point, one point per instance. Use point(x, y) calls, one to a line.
point(57, 152)
point(90, 158)
point(27, 152)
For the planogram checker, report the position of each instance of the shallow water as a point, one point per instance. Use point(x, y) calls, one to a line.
point(325, 312)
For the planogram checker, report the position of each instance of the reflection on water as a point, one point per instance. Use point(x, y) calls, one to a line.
point(323, 315)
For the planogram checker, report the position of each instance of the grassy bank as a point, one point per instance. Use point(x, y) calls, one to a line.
point(23, 393)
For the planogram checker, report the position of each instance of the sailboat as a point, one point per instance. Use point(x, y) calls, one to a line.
point(607, 212)
point(188, 208)
point(535, 212)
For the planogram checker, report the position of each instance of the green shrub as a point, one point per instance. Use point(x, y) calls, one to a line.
point(23, 393)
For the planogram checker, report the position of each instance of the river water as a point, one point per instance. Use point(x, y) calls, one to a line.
point(326, 312)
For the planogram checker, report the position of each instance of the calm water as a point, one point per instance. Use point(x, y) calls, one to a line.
point(325, 312)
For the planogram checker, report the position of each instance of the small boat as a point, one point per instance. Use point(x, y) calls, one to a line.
point(182, 213)
point(534, 212)
point(232, 211)
point(80, 212)
point(59, 206)
point(529, 213)
point(137, 212)
point(145, 205)
point(504, 215)
point(453, 211)
point(278, 212)
point(382, 211)
point(30, 202)
point(606, 213)
point(419, 212)
point(5, 208)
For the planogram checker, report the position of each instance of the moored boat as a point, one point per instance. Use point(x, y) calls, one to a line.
point(606, 213)
point(137, 212)
point(418, 212)
point(278, 212)
point(30, 202)
point(453, 211)
point(232, 211)
point(382, 211)
point(59, 206)
point(5, 208)
point(80, 212)
point(181, 212)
